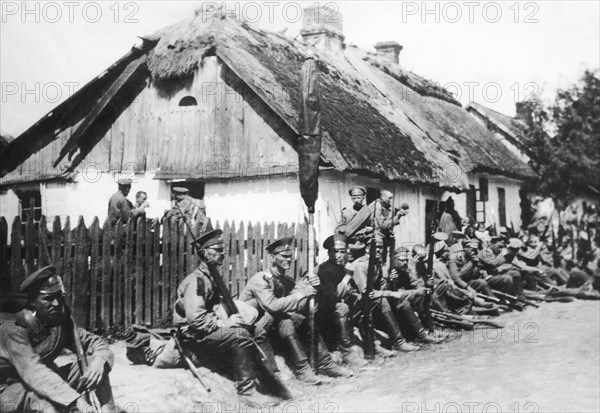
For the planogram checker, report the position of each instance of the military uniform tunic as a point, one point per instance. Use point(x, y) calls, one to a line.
point(27, 362)
point(119, 207)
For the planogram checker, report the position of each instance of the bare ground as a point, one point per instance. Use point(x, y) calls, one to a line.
point(544, 360)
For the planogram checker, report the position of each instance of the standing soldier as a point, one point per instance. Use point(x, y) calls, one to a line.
point(283, 304)
point(332, 290)
point(30, 342)
point(182, 203)
point(210, 339)
point(384, 220)
point(351, 217)
point(119, 207)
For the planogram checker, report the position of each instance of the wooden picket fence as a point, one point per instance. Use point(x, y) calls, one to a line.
point(129, 273)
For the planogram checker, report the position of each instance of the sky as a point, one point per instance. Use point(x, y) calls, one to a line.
point(494, 53)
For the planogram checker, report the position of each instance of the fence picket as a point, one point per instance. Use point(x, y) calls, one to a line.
point(95, 235)
point(129, 273)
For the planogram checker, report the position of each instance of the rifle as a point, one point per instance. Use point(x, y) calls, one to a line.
point(472, 320)
point(82, 361)
point(504, 303)
point(369, 335)
point(444, 319)
point(79, 352)
point(512, 298)
point(189, 362)
point(429, 282)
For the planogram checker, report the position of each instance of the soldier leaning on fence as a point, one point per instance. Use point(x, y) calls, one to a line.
point(30, 342)
point(283, 304)
point(333, 316)
point(210, 339)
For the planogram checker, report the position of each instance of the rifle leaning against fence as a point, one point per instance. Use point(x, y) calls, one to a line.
point(82, 361)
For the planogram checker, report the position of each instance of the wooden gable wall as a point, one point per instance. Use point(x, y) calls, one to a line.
point(230, 133)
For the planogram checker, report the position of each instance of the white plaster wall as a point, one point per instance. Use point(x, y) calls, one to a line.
point(88, 196)
point(9, 206)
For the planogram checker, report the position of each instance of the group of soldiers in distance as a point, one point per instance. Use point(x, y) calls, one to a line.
point(366, 277)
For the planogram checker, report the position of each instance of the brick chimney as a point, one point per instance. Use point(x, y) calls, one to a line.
point(389, 52)
point(322, 28)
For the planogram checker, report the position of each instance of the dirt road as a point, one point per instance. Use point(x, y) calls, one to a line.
point(544, 360)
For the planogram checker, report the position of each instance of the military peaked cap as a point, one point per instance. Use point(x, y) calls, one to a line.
point(515, 243)
point(335, 240)
point(440, 236)
point(124, 181)
point(280, 245)
point(210, 238)
point(360, 189)
point(42, 281)
point(180, 190)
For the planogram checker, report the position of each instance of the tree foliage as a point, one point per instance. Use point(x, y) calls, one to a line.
point(563, 141)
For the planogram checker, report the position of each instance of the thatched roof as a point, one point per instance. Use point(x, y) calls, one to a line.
point(511, 128)
point(378, 119)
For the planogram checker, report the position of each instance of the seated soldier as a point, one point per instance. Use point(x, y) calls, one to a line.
point(210, 340)
point(451, 295)
point(463, 266)
point(532, 275)
point(499, 277)
point(33, 338)
point(283, 304)
point(333, 311)
point(404, 284)
point(383, 315)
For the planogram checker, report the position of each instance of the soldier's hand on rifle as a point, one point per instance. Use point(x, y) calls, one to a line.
point(393, 274)
point(314, 280)
point(92, 376)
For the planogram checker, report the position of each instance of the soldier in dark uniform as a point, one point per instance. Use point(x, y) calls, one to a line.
point(211, 340)
point(30, 342)
point(283, 304)
point(498, 275)
point(333, 311)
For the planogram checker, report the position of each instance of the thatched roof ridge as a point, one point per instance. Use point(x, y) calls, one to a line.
point(510, 127)
point(378, 118)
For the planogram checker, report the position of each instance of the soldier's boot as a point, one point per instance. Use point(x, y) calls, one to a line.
point(245, 374)
point(302, 369)
point(382, 351)
point(402, 345)
point(327, 366)
point(350, 355)
point(425, 337)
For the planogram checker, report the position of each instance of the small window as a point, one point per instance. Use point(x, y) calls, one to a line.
point(502, 207)
point(483, 189)
point(30, 204)
point(188, 101)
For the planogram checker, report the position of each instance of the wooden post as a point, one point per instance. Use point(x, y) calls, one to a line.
point(95, 271)
point(81, 280)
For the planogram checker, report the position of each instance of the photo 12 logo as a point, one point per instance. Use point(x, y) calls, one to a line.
point(68, 11)
point(469, 11)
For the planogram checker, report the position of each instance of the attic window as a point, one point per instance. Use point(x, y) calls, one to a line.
point(188, 101)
